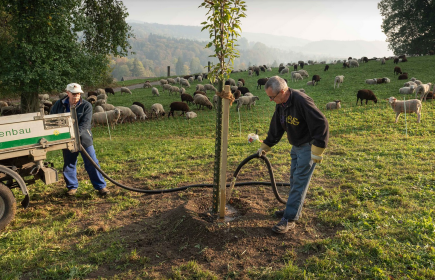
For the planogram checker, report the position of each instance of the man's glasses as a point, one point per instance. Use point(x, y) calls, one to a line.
point(272, 98)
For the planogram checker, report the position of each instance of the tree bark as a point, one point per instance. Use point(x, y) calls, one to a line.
point(29, 102)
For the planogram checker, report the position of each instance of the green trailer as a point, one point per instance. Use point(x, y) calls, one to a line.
point(25, 140)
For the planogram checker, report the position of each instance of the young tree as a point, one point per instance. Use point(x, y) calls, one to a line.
point(409, 25)
point(138, 69)
point(56, 42)
point(223, 25)
point(179, 67)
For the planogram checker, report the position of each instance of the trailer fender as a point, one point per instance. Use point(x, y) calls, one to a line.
point(20, 182)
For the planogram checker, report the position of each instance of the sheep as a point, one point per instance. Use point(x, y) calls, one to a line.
point(353, 63)
point(108, 107)
point(338, 80)
point(418, 82)
point(199, 92)
point(177, 80)
point(10, 110)
point(316, 79)
point(237, 94)
point(43, 96)
point(100, 102)
point(269, 69)
point(333, 105)
point(346, 65)
point(234, 88)
point(200, 87)
point(102, 96)
point(372, 81)
point(310, 83)
point(296, 76)
point(109, 117)
point(199, 78)
point(157, 109)
point(139, 104)
point(284, 71)
point(250, 73)
point(187, 97)
point(187, 77)
point(191, 79)
point(163, 82)
point(243, 81)
point(109, 90)
point(100, 91)
point(155, 91)
point(62, 95)
point(185, 83)
point(174, 89)
point(408, 106)
point(98, 109)
point(138, 111)
point(423, 90)
point(190, 115)
point(170, 81)
point(295, 67)
point(261, 82)
point(210, 87)
point(397, 70)
point(367, 95)
point(147, 84)
point(202, 100)
point(403, 76)
point(381, 81)
point(248, 94)
point(382, 61)
point(239, 84)
point(230, 82)
point(215, 100)
point(3, 104)
point(410, 83)
point(407, 90)
point(178, 106)
point(246, 100)
point(396, 60)
point(126, 90)
point(92, 99)
point(125, 113)
point(303, 73)
point(281, 67)
point(326, 68)
point(386, 80)
point(167, 87)
point(243, 90)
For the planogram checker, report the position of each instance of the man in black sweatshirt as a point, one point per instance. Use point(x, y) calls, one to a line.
point(307, 131)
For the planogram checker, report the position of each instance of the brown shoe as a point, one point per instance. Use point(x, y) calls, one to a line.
point(104, 191)
point(71, 192)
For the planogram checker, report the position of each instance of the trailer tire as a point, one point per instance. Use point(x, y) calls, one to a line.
point(7, 206)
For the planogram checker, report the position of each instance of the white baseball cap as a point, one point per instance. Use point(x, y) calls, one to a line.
point(74, 88)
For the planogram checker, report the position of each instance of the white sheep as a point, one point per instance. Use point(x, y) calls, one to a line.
point(147, 84)
point(108, 107)
point(170, 81)
point(157, 109)
point(423, 89)
point(109, 117)
point(202, 100)
point(100, 91)
point(239, 84)
point(167, 87)
point(408, 106)
point(182, 90)
point(102, 96)
point(372, 81)
point(43, 97)
point(98, 109)
point(382, 61)
point(209, 87)
point(125, 113)
point(418, 82)
point(215, 100)
point(163, 82)
point(333, 105)
point(353, 63)
point(191, 79)
point(250, 73)
point(185, 83)
point(284, 71)
point(155, 91)
point(303, 73)
point(190, 115)
point(269, 69)
point(100, 102)
point(199, 78)
point(386, 80)
point(407, 90)
point(296, 77)
point(234, 88)
point(3, 104)
point(338, 80)
point(310, 83)
point(230, 82)
point(246, 100)
point(126, 90)
point(200, 87)
point(410, 83)
point(174, 89)
point(138, 111)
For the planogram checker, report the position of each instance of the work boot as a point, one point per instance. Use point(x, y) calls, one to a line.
point(280, 214)
point(71, 192)
point(283, 226)
point(103, 192)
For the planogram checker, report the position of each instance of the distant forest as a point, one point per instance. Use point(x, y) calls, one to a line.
point(154, 53)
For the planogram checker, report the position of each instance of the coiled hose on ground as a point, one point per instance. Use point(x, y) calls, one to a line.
point(246, 160)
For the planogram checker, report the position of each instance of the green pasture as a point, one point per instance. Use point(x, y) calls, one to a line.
point(376, 182)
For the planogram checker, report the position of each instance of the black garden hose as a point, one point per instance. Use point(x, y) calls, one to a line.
point(263, 157)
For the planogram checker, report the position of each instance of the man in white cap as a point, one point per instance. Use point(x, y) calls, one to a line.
point(84, 116)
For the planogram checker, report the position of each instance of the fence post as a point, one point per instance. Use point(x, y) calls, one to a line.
point(169, 71)
point(209, 67)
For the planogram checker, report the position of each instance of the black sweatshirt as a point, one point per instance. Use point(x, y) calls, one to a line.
point(302, 121)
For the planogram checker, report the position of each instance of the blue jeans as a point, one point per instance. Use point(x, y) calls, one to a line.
point(301, 169)
point(70, 170)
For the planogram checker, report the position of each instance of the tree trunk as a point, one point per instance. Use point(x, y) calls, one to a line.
point(217, 151)
point(29, 102)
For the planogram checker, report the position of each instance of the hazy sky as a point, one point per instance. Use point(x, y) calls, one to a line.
point(308, 19)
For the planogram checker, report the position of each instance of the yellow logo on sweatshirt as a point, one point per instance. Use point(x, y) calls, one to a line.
point(293, 121)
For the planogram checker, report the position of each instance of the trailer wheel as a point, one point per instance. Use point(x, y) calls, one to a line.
point(7, 206)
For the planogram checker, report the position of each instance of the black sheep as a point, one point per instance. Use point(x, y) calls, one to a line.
point(243, 81)
point(367, 95)
point(397, 70)
point(261, 82)
point(139, 104)
point(365, 59)
point(381, 81)
point(403, 76)
point(90, 93)
point(243, 90)
point(301, 63)
point(326, 68)
point(280, 68)
point(178, 106)
point(346, 64)
point(109, 90)
point(186, 97)
point(315, 79)
point(404, 59)
point(262, 68)
point(295, 67)
point(257, 72)
point(237, 94)
point(396, 61)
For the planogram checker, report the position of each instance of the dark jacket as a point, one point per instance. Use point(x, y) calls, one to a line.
point(302, 121)
point(84, 115)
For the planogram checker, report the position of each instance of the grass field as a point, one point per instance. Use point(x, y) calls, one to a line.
point(374, 189)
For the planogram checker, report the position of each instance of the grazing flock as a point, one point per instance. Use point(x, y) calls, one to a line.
point(184, 100)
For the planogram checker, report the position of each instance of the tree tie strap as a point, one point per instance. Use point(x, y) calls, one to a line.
point(226, 95)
